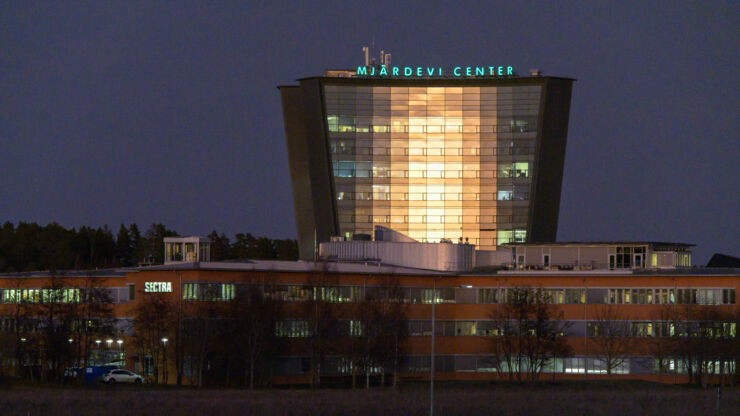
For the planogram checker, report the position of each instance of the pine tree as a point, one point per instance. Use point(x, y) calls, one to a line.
point(124, 248)
point(137, 246)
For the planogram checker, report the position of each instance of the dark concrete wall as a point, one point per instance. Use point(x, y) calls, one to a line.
point(310, 165)
point(549, 160)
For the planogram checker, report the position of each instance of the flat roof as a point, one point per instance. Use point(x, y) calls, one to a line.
point(120, 272)
point(367, 268)
point(442, 81)
point(295, 266)
point(602, 243)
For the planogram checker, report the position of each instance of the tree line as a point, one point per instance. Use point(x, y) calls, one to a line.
point(28, 246)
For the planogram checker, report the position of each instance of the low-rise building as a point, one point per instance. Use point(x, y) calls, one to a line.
point(322, 305)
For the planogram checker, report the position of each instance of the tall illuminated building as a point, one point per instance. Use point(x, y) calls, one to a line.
point(435, 153)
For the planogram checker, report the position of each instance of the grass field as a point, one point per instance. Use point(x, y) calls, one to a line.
point(619, 399)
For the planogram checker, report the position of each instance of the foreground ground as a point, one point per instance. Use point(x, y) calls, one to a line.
point(620, 399)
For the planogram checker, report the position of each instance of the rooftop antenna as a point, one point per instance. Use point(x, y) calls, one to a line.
point(372, 46)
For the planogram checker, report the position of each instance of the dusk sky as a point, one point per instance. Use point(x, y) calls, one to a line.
point(121, 112)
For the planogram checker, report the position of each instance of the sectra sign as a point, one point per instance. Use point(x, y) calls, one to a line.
point(158, 287)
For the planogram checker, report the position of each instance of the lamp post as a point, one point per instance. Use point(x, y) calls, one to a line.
point(164, 360)
point(431, 367)
point(121, 358)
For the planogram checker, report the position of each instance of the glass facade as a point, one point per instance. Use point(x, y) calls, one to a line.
point(435, 163)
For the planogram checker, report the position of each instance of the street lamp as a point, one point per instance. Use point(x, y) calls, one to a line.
point(164, 359)
point(97, 342)
point(69, 340)
point(109, 342)
point(431, 366)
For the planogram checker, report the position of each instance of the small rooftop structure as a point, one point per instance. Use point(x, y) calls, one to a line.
point(723, 260)
point(608, 255)
point(392, 248)
point(186, 249)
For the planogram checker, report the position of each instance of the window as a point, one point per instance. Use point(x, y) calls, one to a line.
point(190, 291)
point(513, 170)
point(511, 236)
point(355, 328)
point(624, 257)
point(575, 295)
point(292, 329)
point(487, 295)
point(504, 195)
point(465, 328)
point(642, 329)
point(344, 169)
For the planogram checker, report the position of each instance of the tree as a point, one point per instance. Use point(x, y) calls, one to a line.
point(528, 333)
point(137, 244)
point(154, 242)
point(661, 346)
point(7, 237)
point(154, 319)
point(202, 332)
point(286, 249)
point(19, 320)
point(357, 347)
point(702, 336)
point(220, 247)
point(54, 305)
point(611, 337)
point(93, 317)
point(251, 320)
point(321, 316)
point(124, 248)
point(30, 247)
point(388, 318)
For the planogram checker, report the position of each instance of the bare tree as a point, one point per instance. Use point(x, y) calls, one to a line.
point(321, 316)
point(93, 317)
point(611, 337)
point(54, 306)
point(528, 333)
point(153, 322)
point(16, 322)
point(389, 316)
point(251, 318)
point(704, 335)
point(661, 347)
point(202, 334)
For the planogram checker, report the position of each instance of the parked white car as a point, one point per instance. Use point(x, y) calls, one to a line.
point(122, 376)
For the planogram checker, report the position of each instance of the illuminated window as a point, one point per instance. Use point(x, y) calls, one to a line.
point(511, 236)
point(504, 195)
